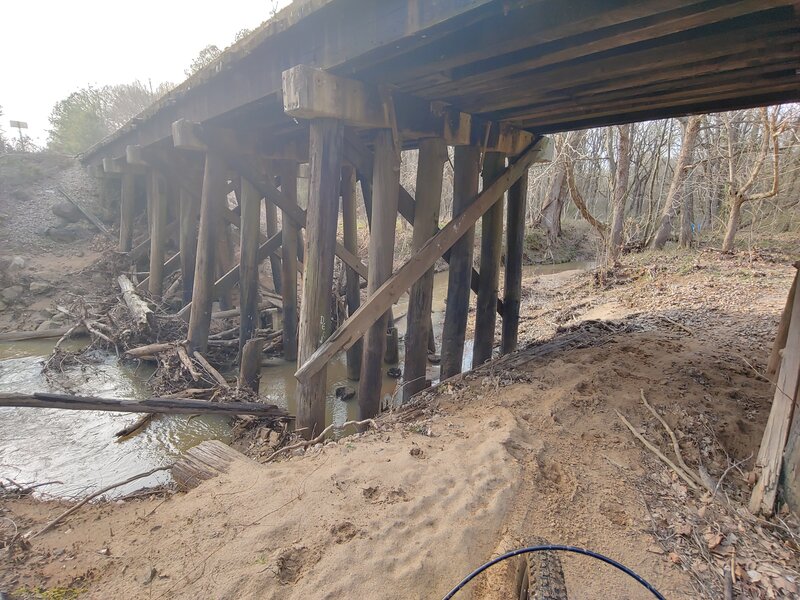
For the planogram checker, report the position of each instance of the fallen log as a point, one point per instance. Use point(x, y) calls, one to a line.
point(22, 336)
point(210, 370)
point(138, 424)
point(150, 350)
point(166, 406)
point(140, 311)
point(268, 309)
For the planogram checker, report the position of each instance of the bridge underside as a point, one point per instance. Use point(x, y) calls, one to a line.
point(343, 85)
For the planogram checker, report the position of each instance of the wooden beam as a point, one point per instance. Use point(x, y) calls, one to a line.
point(264, 184)
point(271, 215)
point(776, 433)
point(127, 211)
point(185, 135)
point(515, 244)
point(157, 194)
point(310, 93)
point(352, 283)
point(248, 261)
point(385, 182)
point(287, 171)
point(491, 249)
point(120, 165)
point(165, 406)
point(189, 215)
point(465, 189)
point(325, 150)
point(430, 165)
point(211, 204)
point(394, 287)
point(774, 362)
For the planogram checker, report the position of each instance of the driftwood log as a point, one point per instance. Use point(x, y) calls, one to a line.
point(167, 406)
point(140, 311)
point(21, 336)
point(206, 460)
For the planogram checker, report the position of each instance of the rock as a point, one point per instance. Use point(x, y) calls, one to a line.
point(11, 266)
point(3, 306)
point(37, 287)
point(12, 293)
point(394, 372)
point(149, 574)
point(67, 211)
point(434, 359)
point(45, 325)
point(59, 317)
point(63, 236)
point(344, 392)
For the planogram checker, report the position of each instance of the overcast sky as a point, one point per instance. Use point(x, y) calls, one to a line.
point(50, 48)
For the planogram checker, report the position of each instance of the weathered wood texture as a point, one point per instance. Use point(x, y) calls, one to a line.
point(127, 211)
point(515, 246)
point(157, 201)
point(491, 249)
point(357, 324)
point(166, 406)
point(211, 204)
point(352, 282)
point(465, 189)
point(250, 367)
point(430, 165)
point(205, 461)
point(325, 153)
point(141, 313)
point(288, 174)
point(189, 213)
point(776, 434)
point(248, 261)
point(385, 182)
point(271, 215)
point(774, 362)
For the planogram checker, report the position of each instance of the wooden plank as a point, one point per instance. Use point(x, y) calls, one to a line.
point(310, 93)
point(465, 189)
point(287, 171)
point(385, 182)
point(352, 282)
point(205, 461)
point(165, 406)
point(776, 434)
point(491, 249)
point(211, 204)
point(515, 244)
point(127, 212)
point(394, 287)
point(158, 239)
point(248, 261)
point(430, 165)
point(325, 152)
point(773, 364)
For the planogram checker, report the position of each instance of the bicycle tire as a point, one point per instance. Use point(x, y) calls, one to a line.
point(540, 576)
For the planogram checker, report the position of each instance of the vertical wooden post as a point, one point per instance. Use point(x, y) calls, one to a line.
point(515, 242)
point(211, 204)
point(432, 155)
point(250, 367)
point(325, 153)
point(385, 191)
point(353, 283)
point(189, 212)
point(274, 259)
point(288, 174)
point(465, 190)
point(248, 261)
point(491, 248)
point(127, 211)
point(225, 259)
point(157, 200)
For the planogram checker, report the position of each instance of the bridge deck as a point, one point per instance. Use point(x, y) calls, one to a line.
point(544, 65)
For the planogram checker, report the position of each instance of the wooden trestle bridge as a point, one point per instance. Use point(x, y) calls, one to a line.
point(345, 85)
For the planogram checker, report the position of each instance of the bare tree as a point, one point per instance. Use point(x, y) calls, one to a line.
point(620, 188)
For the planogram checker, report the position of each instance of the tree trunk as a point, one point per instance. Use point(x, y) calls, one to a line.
point(687, 218)
point(623, 167)
point(673, 196)
point(554, 203)
point(733, 223)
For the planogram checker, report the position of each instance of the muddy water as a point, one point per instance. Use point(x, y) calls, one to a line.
point(79, 449)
